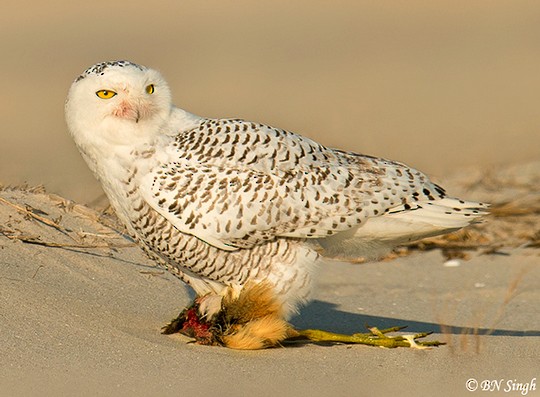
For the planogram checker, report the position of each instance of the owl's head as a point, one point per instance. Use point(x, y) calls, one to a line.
point(117, 103)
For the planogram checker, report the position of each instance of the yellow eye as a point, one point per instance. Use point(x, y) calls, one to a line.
point(105, 94)
point(150, 89)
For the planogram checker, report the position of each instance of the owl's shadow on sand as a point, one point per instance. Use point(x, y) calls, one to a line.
point(324, 315)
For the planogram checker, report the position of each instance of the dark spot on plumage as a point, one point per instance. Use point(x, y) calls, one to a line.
point(440, 190)
point(190, 218)
point(243, 156)
point(267, 139)
point(287, 157)
point(253, 161)
point(146, 222)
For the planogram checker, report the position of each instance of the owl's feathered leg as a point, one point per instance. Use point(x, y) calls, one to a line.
point(253, 319)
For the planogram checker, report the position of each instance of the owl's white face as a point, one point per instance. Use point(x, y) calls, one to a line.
point(117, 103)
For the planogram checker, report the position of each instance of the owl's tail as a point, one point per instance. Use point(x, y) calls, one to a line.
point(403, 224)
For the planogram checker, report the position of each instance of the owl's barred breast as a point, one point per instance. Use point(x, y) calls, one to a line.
point(206, 268)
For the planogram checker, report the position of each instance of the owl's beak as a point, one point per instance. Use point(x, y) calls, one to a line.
point(131, 111)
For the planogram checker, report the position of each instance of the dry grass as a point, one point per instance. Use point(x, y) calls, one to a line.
point(107, 236)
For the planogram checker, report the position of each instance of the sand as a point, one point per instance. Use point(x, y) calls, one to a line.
point(81, 310)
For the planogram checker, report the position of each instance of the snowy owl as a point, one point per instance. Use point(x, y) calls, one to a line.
point(242, 212)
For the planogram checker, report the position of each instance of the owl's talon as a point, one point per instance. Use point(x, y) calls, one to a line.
point(209, 305)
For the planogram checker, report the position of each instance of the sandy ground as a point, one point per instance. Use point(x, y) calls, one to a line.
point(81, 311)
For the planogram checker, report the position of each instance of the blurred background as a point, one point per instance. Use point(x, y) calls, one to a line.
point(438, 85)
